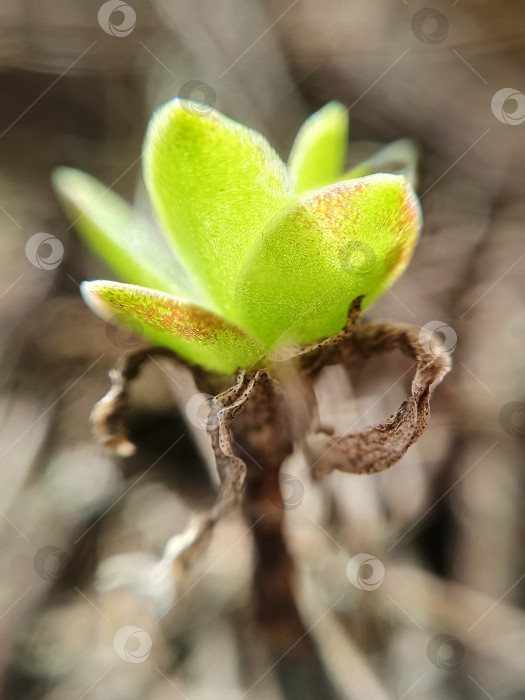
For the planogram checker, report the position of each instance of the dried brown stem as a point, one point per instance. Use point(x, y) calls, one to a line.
point(262, 437)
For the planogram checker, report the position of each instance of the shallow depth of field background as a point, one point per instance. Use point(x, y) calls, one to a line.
point(80, 530)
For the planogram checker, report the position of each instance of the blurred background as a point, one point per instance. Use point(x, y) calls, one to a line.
point(439, 611)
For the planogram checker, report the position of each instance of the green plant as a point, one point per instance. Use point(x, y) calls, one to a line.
point(256, 285)
point(255, 255)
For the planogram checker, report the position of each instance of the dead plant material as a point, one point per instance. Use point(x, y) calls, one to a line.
point(268, 410)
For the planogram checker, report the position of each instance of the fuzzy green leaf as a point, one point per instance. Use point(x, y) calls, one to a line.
point(319, 150)
point(124, 240)
point(195, 333)
point(399, 158)
point(327, 248)
point(214, 185)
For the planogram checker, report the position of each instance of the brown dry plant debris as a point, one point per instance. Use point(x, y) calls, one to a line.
point(254, 425)
point(256, 421)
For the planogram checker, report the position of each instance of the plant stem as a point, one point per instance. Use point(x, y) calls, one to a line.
point(262, 438)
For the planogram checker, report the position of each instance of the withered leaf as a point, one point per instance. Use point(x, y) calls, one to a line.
point(270, 426)
point(378, 447)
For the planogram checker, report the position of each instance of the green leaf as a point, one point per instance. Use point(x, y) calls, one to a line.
point(195, 333)
point(399, 158)
point(214, 184)
point(327, 248)
point(125, 241)
point(319, 150)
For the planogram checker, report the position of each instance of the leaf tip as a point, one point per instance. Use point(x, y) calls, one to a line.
point(91, 294)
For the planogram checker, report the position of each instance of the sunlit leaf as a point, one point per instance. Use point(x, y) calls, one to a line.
point(319, 150)
point(214, 185)
point(195, 333)
point(115, 231)
point(327, 248)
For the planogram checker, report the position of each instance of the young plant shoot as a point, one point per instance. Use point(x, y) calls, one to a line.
point(254, 277)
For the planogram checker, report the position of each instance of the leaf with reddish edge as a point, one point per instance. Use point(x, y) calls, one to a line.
point(195, 333)
point(330, 246)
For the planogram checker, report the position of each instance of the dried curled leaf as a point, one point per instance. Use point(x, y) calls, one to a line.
point(254, 400)
point(109, 415)
point(108, 421)
point(182, 549)
point(378, 447)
